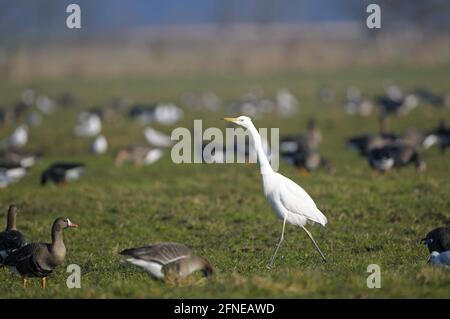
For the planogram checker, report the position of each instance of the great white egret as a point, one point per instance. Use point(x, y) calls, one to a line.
point(290, 202)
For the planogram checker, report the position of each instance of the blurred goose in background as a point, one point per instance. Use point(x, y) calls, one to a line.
point(66, 99)
point(89, 125)
point(139, 155)
point(309, 161)
point(392, 155)
point(355, 104)
point(286, 103)
point(438, 239)
point(45, 104)
point(11, 239)
point(307, 142)
point(18, 138)
point(429, 98)
point(440, 135)
point(164, 259)
point(440, 259)
point(157, 138)
point(39, 260)
point(366, 142)
point(62, 173)
point(19, 156)
point(327, 94)
point(167, 114)
point(100, 145)
point(10, 173)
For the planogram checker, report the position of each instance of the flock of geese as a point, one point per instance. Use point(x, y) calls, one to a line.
point(289, 201)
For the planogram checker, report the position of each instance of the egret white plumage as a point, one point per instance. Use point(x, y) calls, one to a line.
point(289, 201)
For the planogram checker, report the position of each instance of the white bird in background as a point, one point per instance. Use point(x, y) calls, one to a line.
point(19, 137)
point(100, 145)
point(168, 114)
point(289, 201)
point(157, 138)
point(89, 125)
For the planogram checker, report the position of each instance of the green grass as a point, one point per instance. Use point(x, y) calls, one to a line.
point(220, 210)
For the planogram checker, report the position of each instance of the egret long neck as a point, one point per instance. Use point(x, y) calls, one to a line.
point(264, 165)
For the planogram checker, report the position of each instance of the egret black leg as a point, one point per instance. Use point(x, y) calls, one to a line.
point(279, 243)
point(315, 244)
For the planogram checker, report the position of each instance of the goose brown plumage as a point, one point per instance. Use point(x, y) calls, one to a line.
point(40, 259)
point(11, 239)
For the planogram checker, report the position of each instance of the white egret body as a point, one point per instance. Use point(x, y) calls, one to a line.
point(289, 201)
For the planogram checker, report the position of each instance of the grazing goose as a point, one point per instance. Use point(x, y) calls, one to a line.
point(39, 260)
point(19, 137)
point(138, 155)
point(309, 161)
point(440, 259)
point(438, 239)
point(10, 239)
point(162, 259)
point(100, 145)
point(62, 173)
point(395, 155)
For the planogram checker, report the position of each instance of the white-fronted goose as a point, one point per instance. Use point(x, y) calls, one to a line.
point(438, 239)
point(39, 260)
point(62, 173)
point(11, 239)
point(306, 142)
point(366, 142)
point(19, 156)
point(162, 259)
point(439, 135)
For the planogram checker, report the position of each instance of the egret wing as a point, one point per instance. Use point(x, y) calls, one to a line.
point(297, 201)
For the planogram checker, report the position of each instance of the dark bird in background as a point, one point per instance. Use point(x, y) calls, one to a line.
point(62, 173)
point(11, 239)
point(163, 259)
point(395, 155)
point(39, 260)
point(438, 239)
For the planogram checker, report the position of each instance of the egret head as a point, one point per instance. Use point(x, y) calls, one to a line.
point(243, 121)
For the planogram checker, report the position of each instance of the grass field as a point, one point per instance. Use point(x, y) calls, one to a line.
point(220, 210)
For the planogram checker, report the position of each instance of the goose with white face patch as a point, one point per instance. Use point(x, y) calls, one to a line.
point(288, 200)
point(11, 239)
point(39, 260)
point(162, 259)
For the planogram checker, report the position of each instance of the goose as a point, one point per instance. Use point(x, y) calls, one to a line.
point(438, 239)
point(309, 161)
point(89, 125)
point(62, 173)
point(39, 260)
point(440, 135)
point(366, 142)
point(307, 142)
point(100, 145)
point(440, 259)
point(138, 155)
point(19, 156)
point(395, 155)
point(289, 201)
point(164, 259)
point(19, 137)
point(10, 239)
point(10, 173)
point(157, 138)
